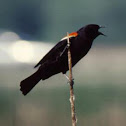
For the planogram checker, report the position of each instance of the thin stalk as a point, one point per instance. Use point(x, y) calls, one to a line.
point(72, 98)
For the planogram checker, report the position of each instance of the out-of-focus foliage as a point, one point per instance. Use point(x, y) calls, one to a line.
point(50, 20)
point(100, 82)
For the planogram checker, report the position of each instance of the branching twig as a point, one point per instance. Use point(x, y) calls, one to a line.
point(73, 116)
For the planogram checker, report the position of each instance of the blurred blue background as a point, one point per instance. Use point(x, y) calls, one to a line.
point(29, 29)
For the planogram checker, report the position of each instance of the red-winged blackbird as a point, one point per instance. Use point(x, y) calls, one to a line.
point(56, 60)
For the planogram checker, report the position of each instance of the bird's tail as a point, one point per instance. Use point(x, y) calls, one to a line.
point(28, 83)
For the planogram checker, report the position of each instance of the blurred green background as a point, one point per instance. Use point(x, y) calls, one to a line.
point(28, 29)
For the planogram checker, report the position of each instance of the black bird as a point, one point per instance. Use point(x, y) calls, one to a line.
point(56, 60)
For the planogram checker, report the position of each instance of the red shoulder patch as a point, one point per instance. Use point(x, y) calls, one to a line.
point(73, 34)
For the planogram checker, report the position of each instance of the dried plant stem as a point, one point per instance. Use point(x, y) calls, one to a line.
point(73, 116)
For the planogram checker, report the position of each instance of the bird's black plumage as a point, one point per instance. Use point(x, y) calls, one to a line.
point(56, 60)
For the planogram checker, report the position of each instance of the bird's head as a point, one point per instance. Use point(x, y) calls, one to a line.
point(91, 31)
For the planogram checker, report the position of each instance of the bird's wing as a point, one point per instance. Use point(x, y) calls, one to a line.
point(57, 50)
point(73, 34)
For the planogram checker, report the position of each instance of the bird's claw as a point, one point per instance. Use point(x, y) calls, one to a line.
point(68, 79)
point(70, 82)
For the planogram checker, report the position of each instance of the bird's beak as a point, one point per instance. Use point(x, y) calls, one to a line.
point(100, 33)
point(102, 26)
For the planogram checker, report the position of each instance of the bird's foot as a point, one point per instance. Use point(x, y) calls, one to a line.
point(68, 80)
point(71, 82)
